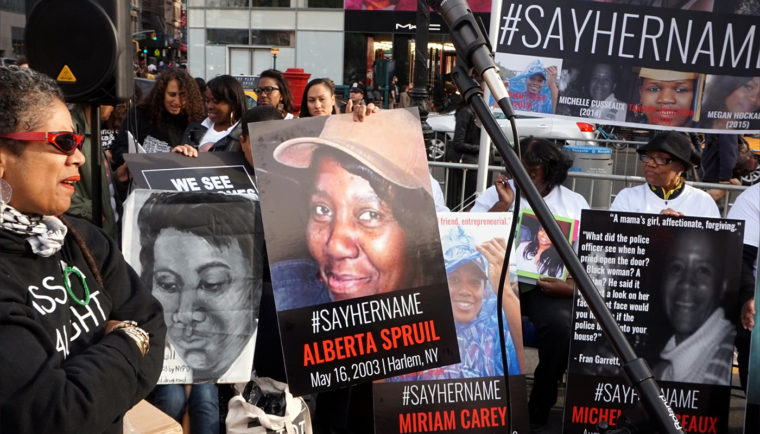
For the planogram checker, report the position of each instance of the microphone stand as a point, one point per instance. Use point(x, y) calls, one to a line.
point(475, 52)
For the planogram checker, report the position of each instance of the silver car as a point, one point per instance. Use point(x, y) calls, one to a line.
point(563, 130)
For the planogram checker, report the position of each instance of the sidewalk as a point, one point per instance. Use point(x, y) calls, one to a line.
point(735, 415)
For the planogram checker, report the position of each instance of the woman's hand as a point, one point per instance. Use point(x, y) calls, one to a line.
point(186, 150)
point(748, 314)
point(671, 212)
point(122, 173)
point(505, 192)
point(556, 287)
point(361, 111)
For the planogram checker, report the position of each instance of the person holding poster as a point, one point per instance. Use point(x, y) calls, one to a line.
point(82, 337)
point(664, 160)
point(364, 231)
point(535, 90)
point(548, 303)
point(727, 96)
point(667, 97)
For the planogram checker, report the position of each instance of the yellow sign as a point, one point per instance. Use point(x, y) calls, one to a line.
point(157, 53)
point(66, 75)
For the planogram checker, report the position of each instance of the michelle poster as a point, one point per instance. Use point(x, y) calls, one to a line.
point(470, 396)
point(671, 284)
point(354, 253)
point(684, 65)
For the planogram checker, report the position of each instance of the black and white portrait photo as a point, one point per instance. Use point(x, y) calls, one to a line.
point(200, 254)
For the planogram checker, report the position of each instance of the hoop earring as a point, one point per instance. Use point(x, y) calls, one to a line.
point(6, 191)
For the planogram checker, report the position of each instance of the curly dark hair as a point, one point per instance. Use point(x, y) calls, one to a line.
point(305, 99)
point(549, 156)
point(225, 88)
point(287, 97)
point(549, 262)
point(25, 95)
point(153, 103)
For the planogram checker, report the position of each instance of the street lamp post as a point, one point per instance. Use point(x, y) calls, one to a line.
point(419, 93)
point(274, 51)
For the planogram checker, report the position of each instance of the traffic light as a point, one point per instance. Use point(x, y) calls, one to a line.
point(153, 36)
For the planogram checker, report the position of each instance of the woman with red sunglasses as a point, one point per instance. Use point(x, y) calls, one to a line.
point(77, 323)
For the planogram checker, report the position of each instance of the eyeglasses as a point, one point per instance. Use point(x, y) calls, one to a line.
point(660, 161)
point(267, 90)
point(65, 141)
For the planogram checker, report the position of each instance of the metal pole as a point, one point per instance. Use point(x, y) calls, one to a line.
point(419, 93)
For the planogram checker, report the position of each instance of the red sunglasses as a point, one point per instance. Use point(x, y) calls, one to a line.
point(65, 141)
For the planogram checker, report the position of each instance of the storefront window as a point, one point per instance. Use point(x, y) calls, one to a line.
point(226, 36)
point(272, 37)
point(271, 3)
point(334, 4)
point(228, 3)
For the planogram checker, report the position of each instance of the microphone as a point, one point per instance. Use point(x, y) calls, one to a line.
point(473, 47)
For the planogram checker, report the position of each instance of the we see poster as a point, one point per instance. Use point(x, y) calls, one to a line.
point(671, 284)
point(471, 396)
point(352, 239)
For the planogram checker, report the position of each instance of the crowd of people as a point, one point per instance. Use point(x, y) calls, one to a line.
point(45, 244)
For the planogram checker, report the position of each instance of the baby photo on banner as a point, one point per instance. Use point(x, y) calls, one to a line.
point(671, 284)
point(352, 240)
point(535, 255)
point(470, 396)
point(200, 253)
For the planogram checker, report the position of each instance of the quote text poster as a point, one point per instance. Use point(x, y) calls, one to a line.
point(694, 67)
point(470, 396)
point(200, 253)
point(353, 246)
point(671, 285)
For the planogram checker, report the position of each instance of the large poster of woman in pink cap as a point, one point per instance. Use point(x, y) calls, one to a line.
point(357, 271)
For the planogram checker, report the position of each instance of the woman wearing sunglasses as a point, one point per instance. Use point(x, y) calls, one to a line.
point(77, 323)
point(664, 160)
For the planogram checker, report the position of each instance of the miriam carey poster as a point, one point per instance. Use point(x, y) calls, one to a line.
point(470, 396)
point(352, 239)
point(671, 284)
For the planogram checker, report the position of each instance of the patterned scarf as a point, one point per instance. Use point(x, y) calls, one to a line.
point(46, 233)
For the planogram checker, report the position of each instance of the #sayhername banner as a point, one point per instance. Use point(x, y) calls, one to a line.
point(470, 396)
point(355, 258)
point(671, 284)
point(201, 254)
point(222, 172)
point(632, 64)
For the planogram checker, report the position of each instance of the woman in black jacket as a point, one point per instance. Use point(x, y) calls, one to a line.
point(220, 131)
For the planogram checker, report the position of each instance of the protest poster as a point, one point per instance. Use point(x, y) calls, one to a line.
point(690, 66)
point(200, 253)
point(535, 255)
point(223, 172)
point(752, 412)
point(671, 284)
point(470, 396)
point(353, 246)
